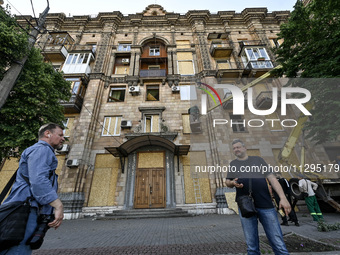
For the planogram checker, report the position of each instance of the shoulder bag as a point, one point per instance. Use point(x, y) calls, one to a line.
point(246, 203)
point(13, 218)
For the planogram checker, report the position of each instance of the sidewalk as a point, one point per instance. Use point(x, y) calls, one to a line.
point(208, 234)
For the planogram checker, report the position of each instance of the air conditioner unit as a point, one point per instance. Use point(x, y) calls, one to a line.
point(126, 124)
point(175, 89)
point(134, 89)
point(125, 60)
point(65, 149)
point(72, 162)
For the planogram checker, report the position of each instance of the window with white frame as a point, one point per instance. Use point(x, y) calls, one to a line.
point(111, 126)
point(154, 51)
point(257, 57)
point(124, 47)
point(68, 126)
point(188, 92)
point(151, 123)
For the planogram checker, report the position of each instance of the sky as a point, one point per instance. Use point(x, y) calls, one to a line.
point(86, 7)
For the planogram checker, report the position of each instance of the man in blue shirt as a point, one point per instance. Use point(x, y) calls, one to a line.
point(37, 165)
point(254, 170)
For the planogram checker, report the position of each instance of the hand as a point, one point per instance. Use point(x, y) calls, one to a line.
point(236, 184)
point(284, 204)
point(58, 214)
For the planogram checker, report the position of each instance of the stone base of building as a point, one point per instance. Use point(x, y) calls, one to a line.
point(73, 203)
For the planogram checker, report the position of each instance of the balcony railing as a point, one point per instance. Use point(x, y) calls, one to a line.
point(259, 64)
point(74, 105)
point(220, 50)
point(152, 73)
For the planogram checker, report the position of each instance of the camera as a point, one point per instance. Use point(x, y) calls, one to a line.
point(36, 240)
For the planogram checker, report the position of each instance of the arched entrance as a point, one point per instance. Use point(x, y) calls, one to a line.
point(150, 180)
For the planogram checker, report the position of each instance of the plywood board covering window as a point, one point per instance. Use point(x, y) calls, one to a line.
point(122, 69)
point(111, 126)
point(186, 124)
point(183, 44)
point(68, 124)
point(151, 123)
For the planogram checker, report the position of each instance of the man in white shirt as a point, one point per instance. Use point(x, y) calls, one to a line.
point(312, 204)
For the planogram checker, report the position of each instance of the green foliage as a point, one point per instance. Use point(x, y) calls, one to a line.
point(34, 101)
point(311, 49)
point(13, 41)
point(324, 227)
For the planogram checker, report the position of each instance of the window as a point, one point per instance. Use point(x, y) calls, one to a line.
point(154, 51)
point(117, 94)
point(154, 67)
point(275, 43)
point(152, 93)
point(111, 126)
point(223, 64)
point(237, 123)
point(256, 57)
point(122, 70)
point(124, 47)
point(185, 63)
point(76, 86)
point(68, 124)
point(188, 92)
point(151, 123)
point(186, 123)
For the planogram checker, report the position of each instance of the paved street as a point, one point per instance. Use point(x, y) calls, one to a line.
point(208, 234)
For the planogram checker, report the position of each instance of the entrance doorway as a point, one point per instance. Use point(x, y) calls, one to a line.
point(150, 181)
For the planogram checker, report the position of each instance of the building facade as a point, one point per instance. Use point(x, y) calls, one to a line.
point(132, 142)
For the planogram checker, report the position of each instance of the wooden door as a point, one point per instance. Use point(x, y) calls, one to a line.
point(150, 184)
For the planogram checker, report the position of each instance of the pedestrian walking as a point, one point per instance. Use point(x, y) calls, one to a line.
point(36, 178)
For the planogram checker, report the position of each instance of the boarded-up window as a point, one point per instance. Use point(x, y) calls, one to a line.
point(122, 69)
point(186, 123)
point(183, 44)
point(151, 123)
point(185, 63)
point(274, 122)
point(68, 124)
point(111, 126)
point(223, 64)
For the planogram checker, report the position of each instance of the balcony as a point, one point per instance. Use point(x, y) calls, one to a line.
point(229, 70)
point(228, 105)
point(78, 63)
point(152, 73)
point(57, 46)
point(220, 50)
point(265, 100)
point(74, 105)
point(258, 67)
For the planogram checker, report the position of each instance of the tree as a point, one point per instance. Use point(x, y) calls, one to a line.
point(311, 49)
point(34, 101)
point(13, 41)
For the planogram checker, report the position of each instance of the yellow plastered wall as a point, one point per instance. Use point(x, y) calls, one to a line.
point(195, 158)
point(103, 187)
point(8, 169)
